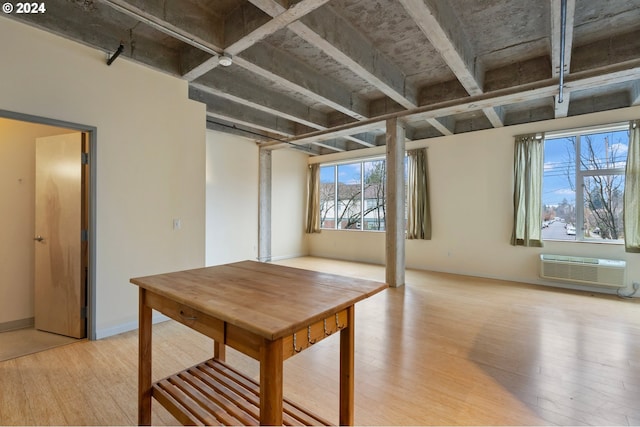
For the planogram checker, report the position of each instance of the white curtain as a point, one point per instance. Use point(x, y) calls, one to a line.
point(313, 200)
point(418, 210)
point(527, 192)
point(632, 191)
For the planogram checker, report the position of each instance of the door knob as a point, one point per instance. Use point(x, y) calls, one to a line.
point(39, 238)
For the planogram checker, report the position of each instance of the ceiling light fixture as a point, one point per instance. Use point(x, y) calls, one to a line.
point(225, 60)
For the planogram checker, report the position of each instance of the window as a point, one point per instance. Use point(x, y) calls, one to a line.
point(583, 185)
point(352, 196)
point(349, 196)
point(327, 196)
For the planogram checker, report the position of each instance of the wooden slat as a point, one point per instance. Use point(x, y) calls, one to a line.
point(239, 404)
point(174, 407)
point(205, 397)
point(214, 393)
point(290, 408)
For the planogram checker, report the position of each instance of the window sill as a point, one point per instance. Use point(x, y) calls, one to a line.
point(595, 242)
point(352, 231)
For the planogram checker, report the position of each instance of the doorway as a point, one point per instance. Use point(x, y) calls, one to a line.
point(19, 245)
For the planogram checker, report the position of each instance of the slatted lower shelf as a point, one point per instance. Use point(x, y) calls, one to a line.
point(213, 393)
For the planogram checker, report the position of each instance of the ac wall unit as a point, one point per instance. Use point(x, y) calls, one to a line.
point(606, 273)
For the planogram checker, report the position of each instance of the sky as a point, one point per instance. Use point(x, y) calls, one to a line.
point(348, 173)
point(559, 162)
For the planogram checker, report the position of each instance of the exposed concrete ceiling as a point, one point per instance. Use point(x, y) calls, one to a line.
point(326, 74)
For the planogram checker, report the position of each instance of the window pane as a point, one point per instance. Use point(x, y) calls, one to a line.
point(374, 195)
point(603, 207)
point(558, 189)
point(606, 150)
point(349, 195)
point(327, 197)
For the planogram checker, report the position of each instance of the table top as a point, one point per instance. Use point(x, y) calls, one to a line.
point(267, 299)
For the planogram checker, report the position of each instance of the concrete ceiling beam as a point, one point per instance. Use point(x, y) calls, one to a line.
point(362, 141)
point(224, 85)
point(195, 63)
point(635, 93)
point(278, 66)
point(618, 73)
point(333, 145)
point(337, 38)
point(255, 120)
point(222, 125)
point(240, 114)
point(173, 18)
point(439, 23)
point(444, 125)
point(280, 20)
point(254, 96)
point(561, 109)
point(495, 116)
point(340, 132)
point(312, 84)
point(104, 35)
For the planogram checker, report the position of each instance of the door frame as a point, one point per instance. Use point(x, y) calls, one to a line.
point(92, 131)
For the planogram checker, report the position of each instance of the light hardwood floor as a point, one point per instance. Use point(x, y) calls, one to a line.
point(444, 349)
point(20, 342)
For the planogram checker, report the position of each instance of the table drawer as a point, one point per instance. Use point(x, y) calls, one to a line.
point(201, 322)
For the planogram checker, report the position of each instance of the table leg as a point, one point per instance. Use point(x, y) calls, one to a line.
point(219, 351)
point(271, 383)
point(347, 350)
point(144, 361)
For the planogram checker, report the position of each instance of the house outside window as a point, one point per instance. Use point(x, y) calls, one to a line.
point(583, 184)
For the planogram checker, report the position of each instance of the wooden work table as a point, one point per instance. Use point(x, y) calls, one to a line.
point(266, 311)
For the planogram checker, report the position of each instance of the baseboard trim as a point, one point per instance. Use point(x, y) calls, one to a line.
point(17, 324)
point(127, 327)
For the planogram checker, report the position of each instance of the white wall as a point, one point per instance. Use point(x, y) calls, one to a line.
point(288, 204)
point(17, 216)
point(150, 156)
point(471, 181)
point(232, 200)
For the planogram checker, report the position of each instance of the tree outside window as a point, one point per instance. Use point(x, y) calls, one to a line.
point(583, 185)
point(352, 196)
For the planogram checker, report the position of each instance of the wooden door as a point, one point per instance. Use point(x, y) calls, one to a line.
point(59, 271)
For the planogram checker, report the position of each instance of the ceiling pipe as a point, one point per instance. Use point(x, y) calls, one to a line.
point(135, 14)
point(563, 29)
point(116, 54)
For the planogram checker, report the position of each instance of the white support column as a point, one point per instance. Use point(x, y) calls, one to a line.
point(394, 249)
point(264, 216)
